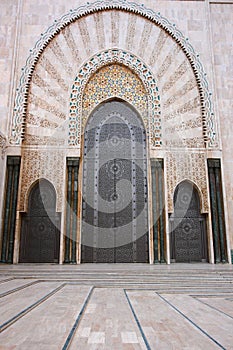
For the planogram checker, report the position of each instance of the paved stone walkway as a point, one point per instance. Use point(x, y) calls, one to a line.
point(182, 306)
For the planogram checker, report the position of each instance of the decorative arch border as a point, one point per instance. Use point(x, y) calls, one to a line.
point(32, 184)
point(152, 120)
point(19, 116)
point(31, 187)
point(195, 185)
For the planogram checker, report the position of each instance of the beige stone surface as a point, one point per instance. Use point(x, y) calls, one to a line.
point(214, 323)
point(162, 324)
point(19, 283)
point(49, 324)
point(120, 306)
point(8, 33)
point(220, 304)
point(14, 303)
point(109, 322)
point(221, 20)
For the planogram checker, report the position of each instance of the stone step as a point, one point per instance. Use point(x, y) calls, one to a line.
point(159, 276)
point(145, 278)
point(122, 272)
point(183, 274)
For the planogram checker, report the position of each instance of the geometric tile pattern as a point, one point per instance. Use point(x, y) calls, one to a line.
point(115, 80)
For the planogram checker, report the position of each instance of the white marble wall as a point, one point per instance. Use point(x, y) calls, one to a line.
point(222, 39)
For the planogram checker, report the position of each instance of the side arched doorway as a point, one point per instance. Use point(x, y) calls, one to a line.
point(187, 226)
point(40, 228)
point(114, 207)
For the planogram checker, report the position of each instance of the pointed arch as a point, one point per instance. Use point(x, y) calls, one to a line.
point(192, 185)
point(42, 183)
point(138, 73)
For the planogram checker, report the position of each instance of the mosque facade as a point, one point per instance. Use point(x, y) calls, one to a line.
point(116, 131)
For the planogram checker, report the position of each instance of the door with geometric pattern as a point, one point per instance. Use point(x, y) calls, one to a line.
point(187, 226)
point(40, 228)
point(114, 206)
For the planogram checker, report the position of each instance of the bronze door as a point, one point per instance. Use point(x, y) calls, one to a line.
point(187, 224)
point(114, 208)
point(40, 230)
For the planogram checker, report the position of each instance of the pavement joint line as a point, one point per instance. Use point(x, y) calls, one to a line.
point(216, 295)
point(213, 307)
point(193, 323)
point(7, 280)
point(76, 323)
point(18, 288)
point(137, 321)
point(160, 283)
point(22, 313)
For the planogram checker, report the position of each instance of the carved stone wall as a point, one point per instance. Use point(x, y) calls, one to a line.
point(36, 164)
point(3, 145)
point(222, 17)
point(187, 166)
point(75, 65)
point(57, 57)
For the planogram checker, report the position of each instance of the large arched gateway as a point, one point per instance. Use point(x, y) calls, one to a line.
point(113, 108)
point(114, 207)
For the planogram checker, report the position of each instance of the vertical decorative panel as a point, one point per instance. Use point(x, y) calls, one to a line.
point(40, 226)
point(9, 214)
point(71, 210)
point(158, 209)
point(217, 210)
point(187, 226)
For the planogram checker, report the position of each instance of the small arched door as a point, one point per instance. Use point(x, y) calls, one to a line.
point(40, 229)
point(187, 226)
point(114, 207)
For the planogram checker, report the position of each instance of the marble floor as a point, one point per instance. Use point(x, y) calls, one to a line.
point(182, 306)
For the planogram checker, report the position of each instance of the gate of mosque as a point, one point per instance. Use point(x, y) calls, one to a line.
point(114, 207)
